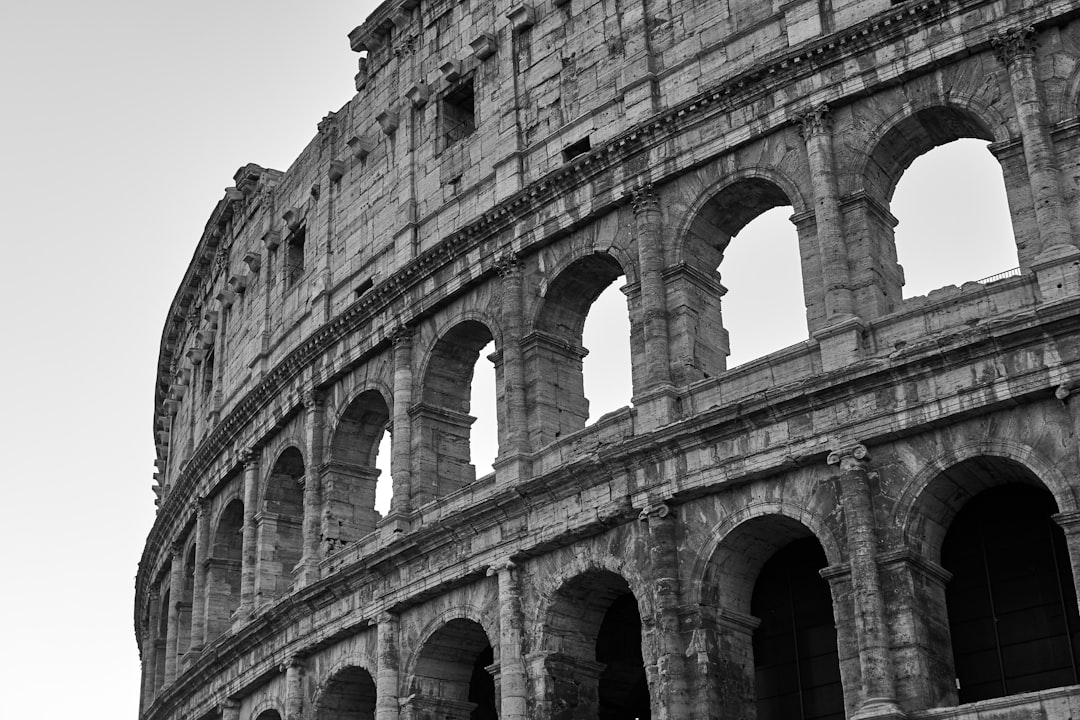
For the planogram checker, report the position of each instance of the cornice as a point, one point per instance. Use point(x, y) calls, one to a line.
point(784, 69)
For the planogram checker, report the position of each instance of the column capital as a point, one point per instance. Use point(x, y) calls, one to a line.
point(296, 662)
point(508, 265)
point(1013, 44)
point(500, 566)
point(249, 457)
point(849, 457)
point(401, 336)
point(312, 399)
point(386, 617)
point(202, 506)
point(176, 547)
point(814, 121)
point(644, 199)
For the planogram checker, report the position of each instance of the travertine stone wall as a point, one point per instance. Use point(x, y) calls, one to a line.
point(503, 163)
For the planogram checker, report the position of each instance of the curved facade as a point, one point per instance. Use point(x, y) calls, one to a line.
point(882, 520)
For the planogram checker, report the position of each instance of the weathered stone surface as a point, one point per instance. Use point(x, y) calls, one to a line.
point(502, 163)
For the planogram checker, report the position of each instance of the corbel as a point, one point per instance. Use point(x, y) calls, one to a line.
point(451, 71)
point(360, 146)
point(418, 95)
point(271, 239)
point(388, 121)
point(483, 46)
point(293, 219)
point(195, 355)
point(336, 171)
point(521, 17)
point(253, 260)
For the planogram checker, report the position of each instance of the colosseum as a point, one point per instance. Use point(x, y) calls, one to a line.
point(882, 520)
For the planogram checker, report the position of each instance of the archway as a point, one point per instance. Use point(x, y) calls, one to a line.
point(223, 569)
point(767, 311)
point(348, 695)
point(1011, 601)
point(554, 351)
point(445, 450)
point(870, 215)
point(762, 598)
point(451, 679)
point(593, 655)
point(350, 483)
point(280, 526)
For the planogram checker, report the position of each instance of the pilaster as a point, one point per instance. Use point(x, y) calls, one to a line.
point(401, 438)
point(314, 405)
point(176, 580)
point(878, 691)
point(513, 465)
point(386, 674)
point(249, 551)
point(513, 681)
point(202, 545)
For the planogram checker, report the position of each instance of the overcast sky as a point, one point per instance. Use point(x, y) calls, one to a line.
point(123, 122)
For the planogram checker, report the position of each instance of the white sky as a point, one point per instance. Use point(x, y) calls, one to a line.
point(122, 124)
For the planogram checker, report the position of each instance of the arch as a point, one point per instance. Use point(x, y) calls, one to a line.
point(350, 479)
point(592, 649)
point(280, 522)
point(915, 129)
point(553, 351)
point(348, 693)
point(268, 709)
point(223, 568)
point(445, 457)
point(725, 532)
point(1011, 601)
point(718, 213)
point(943, 485)
point(449, 674)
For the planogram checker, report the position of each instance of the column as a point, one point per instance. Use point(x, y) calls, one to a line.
point(816, 130)
point(176, 580)
point(386, 675)
point(198, 595)
point(513, 681)
point(674, 693)
point(294, 688)
point(149, 654)
point(312, 529)
point(878, 692)
point(517, 432)
point(650, 243)
point(401, 439)
point(1016, 50)
point(249, 553)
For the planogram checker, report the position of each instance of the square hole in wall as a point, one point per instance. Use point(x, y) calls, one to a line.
point(458, 113)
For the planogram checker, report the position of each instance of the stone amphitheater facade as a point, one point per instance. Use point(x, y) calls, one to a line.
point(881, 521)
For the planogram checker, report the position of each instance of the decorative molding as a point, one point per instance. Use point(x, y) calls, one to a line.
point(1013, 44)
point(815, 121)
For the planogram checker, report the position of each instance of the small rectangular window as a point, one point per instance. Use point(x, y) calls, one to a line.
point(458, 113)
point(574, 149)
point(294, 257)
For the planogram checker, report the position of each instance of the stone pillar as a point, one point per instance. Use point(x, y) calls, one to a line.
point(517, 431)
point(230, 709)
point(386, 674)
point(878, 691)
point(249, 552)
point(401, 437)
point(294, 688)
point(513, 681)
point(198, 594)
point(149, 655)
point(673, 692)
point(648, 224)
point(816, 130)
point(312, 526)
point(176, 580)
point(1016, 50)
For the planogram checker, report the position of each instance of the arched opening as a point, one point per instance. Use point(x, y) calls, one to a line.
point(483, 405)
point(796, 664)
point(451, 679)
point(953, 218)
point(605, 369)
point(445, 462)
point(162, 642)
point(280, 527)
point(184, 610)
point(268, 715)
point(768, 615)
point(1011, 601)
point(348, 695)
point(352, 479)
point(223, 569)
point(940, 209)
point(764, 270)
point(554, 352)
point(593, 650)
